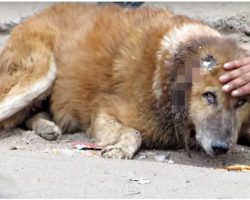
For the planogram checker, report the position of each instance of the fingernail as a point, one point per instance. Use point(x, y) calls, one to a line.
point(226, 87)
point(223, 78)
point(235, 93)
point(227, 65)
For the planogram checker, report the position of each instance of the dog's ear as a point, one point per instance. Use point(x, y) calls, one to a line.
point(208, 62)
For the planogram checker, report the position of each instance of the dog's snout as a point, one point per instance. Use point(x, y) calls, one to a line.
point(220, 147)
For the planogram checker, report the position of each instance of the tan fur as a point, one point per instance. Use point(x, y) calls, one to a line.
point(115, 70)
point(42, 125)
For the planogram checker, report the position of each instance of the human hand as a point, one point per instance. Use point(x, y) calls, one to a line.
point(237, 79)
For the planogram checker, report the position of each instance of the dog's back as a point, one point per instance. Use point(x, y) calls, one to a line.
point(86, 41)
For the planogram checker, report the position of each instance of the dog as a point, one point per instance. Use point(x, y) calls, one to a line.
point(126, 77)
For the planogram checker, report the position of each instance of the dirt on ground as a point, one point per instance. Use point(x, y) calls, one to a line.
point(21, 140)
point(221, 16)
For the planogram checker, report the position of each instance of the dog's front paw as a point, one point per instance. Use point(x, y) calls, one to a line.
point(116, 152)
point(48, 130)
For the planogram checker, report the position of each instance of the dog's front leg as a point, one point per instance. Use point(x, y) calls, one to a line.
point(43, 126)
point(119, 141)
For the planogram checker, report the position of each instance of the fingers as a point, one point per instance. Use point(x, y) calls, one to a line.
point(231, 75)
point(244, 90)
point(237, 82)
point(237, 63)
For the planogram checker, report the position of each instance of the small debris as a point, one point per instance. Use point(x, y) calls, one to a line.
point(46, 150)
point(187, 181)
point(141, 157)
point(141, 181)
point(160, 158)
point(170, 161)
point(238, 168)
point(86, 146)
point(13, 148)
point(133, 193)
point(63, 141)
point(247, 31)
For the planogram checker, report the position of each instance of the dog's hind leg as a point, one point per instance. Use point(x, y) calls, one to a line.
point(119, 141)
point(43, 126)
point(27, 71)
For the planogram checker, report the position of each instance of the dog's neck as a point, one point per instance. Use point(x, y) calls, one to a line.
point(172, 83)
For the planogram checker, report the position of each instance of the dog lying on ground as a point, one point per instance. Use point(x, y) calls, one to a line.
point(125, 77)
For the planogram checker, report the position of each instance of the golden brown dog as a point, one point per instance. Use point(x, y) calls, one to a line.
point(125, 77)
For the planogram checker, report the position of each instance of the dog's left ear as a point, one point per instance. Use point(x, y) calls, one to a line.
point(208, 62)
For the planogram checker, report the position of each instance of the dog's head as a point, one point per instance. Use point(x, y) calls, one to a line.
point(195, 54)
point(217, 116)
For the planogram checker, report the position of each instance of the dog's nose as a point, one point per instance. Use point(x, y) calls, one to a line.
point(220, 147)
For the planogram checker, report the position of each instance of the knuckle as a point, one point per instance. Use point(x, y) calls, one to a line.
point(242, 70)
point(230, 75)
point(239, 62)
point(235, 74)
point(245, 89)
point(232, 84)
point(245, 78)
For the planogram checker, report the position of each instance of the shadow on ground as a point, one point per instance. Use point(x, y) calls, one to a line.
point(20, 140)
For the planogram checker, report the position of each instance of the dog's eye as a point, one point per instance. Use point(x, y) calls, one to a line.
point(240, 102)
point(210, 97)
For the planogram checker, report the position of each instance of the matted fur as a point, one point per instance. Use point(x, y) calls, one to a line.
point(116, 63)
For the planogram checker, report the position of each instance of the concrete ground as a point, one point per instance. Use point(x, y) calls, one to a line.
point(36, 175)
point(31, 167)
